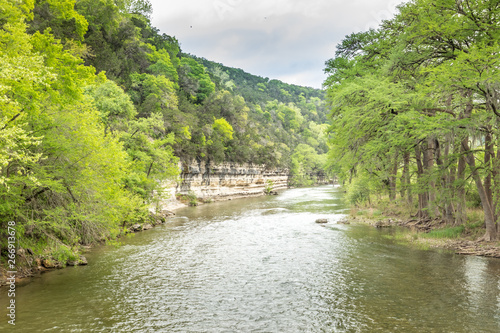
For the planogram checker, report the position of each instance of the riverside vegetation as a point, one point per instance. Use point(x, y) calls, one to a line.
point(416, 114)
point(98, 107)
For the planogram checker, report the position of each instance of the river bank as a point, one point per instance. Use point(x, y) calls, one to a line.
point(262, 264)
point(30, 265)
point(430, 233)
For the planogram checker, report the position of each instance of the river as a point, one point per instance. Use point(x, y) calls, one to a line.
point(263, 265)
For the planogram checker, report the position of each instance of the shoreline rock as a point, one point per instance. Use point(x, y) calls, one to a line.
point(459, 246)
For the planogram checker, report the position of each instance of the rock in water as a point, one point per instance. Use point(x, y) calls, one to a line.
point(382, 224)
point(83, 261)
point(322, 221)
point(167, 213)
point(136, 227)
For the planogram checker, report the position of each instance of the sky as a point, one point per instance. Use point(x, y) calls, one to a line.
point(288, 40)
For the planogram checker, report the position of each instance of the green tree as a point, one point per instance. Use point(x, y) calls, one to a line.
point(194, 80)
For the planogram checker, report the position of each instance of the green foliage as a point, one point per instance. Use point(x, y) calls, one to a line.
point(65, 150)
point(450, 232)
point(64, 254)
point(189, 198)
point(358, 192)
point(194, 80)
point(269, 186)
point(60, 18)
point(115, 106)
point(162, 65)
point(97, 107)
point(306, 165)
point(153, 94)
point(414, 108)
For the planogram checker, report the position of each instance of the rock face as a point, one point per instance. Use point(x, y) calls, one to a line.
point(228, 181)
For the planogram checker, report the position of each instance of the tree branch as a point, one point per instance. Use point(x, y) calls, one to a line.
point(439, 110)
point(11, 120)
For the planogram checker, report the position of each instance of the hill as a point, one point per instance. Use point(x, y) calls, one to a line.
point(98, 107)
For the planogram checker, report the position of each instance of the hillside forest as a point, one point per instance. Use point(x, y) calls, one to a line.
point(97, 108)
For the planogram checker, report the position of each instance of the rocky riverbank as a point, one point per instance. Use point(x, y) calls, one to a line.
point(29, 265)
point(416, 232)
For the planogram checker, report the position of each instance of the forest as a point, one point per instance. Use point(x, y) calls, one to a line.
point(98, 107)
point(416, 111)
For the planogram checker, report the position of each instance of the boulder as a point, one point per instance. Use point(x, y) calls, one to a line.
point(83, 261)
point(322, 221)
point(47, 263)
point(343, 221)
point(383, 224)
point(147, 227)
point(136, 227)
point(167, 213)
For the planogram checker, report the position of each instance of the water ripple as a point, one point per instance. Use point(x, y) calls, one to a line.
point(264, 265)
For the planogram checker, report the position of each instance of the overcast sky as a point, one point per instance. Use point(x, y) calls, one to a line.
point(289, 40)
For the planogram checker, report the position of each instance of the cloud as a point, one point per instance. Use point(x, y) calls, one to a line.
point(284, 39)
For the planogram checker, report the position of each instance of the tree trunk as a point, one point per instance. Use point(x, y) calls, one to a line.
point(447, 192)
point(423, 211)
point(488, 155)
point(405, 179)
point(489, 217)
point(392, 179)
point(430, 152)
point(461, 213)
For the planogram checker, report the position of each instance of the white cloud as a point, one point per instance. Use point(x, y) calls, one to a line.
point(284, 39)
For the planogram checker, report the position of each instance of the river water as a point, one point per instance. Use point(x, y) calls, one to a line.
point(263, 265)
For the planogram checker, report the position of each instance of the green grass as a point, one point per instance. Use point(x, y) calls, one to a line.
point(451, 232)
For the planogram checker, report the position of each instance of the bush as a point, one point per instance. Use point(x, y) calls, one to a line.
point(269, 186)
point(189, 198)
point(358, 192)
point(473, 199)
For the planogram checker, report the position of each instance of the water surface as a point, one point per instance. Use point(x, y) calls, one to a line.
point(264, 265)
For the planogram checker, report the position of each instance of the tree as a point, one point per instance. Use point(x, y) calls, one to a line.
point(414, 94)
point(195, 80)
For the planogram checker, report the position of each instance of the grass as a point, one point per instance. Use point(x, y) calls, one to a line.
point(449, 233)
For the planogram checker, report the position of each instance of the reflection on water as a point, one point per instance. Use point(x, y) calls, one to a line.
point(264, 265)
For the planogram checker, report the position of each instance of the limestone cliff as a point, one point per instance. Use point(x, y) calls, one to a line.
point(228, 180)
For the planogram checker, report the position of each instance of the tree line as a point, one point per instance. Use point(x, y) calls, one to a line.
point(416, 110)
